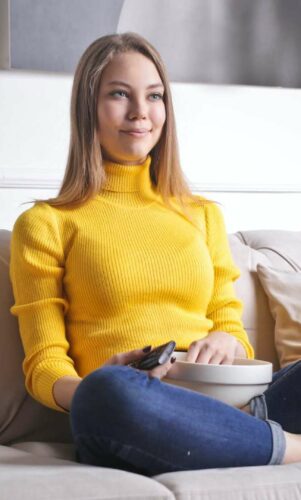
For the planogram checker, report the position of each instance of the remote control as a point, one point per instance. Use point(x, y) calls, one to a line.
point(157, 356)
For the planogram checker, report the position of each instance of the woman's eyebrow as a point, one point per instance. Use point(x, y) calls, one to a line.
point(118, 82)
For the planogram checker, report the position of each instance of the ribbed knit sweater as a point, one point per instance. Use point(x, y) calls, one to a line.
point(120, 272)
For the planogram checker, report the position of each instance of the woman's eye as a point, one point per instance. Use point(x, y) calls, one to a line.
point(157, 97)
point(119, 92)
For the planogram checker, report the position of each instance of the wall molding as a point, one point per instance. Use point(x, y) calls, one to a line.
point(42, 182)
point(246, 188)
point(28, 183)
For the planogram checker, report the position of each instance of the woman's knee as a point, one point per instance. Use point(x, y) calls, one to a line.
point(100, 383)
point(106, 386)
point(105, 391)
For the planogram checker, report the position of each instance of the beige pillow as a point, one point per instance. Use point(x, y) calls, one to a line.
point(283, 289)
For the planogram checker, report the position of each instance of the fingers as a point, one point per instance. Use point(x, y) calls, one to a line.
point(207, 353)
point(221, 359)
point(193, 351)
point(212, 351)
point(228, 360)
point(125, 358)
point(161, 371)
point(209, 356)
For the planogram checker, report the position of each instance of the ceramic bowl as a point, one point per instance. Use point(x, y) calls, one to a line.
point(233, 384)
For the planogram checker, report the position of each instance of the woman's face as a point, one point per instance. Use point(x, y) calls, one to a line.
point(130, 110)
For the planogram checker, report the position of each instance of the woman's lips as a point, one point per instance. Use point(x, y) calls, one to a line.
point(135, 133)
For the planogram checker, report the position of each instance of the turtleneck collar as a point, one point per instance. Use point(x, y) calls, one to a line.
point(129, 186)
point(128, 178)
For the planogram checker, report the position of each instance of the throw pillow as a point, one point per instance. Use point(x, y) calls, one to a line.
point(283, 289)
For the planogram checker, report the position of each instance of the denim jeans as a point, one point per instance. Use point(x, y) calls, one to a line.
point(282, 400)
point(122, 418)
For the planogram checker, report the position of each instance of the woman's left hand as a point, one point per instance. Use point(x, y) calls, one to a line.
point(218, 348)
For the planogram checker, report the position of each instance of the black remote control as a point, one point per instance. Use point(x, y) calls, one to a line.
point(157, 356)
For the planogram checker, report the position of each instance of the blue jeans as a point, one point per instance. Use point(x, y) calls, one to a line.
point(122, 418)
point(282, 400)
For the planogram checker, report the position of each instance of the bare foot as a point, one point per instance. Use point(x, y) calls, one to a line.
point(293, 443)
point(293, 448)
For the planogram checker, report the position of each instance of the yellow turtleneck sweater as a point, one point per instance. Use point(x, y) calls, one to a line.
point(118, 273)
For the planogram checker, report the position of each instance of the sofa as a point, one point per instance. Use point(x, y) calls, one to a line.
point(37, 458)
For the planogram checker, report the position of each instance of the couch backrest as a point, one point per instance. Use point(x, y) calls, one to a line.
point(21, 417)
point(278, 249)
point(24, 419)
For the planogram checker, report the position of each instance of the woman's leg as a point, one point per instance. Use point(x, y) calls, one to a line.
point(122, 418)
point(281, 402)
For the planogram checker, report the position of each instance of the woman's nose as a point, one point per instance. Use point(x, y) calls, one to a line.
point(137, 110)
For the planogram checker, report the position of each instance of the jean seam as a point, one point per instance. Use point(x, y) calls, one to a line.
point(140, 450)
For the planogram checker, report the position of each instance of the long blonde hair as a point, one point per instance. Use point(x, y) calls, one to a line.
point(84, 174)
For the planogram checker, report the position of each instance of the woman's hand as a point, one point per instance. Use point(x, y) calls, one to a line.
point(65, 387)
point(125, 358)
point(218, 348)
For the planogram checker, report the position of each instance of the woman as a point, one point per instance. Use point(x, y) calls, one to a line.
point(124, 256)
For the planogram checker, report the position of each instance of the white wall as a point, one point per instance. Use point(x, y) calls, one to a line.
point(239, 146)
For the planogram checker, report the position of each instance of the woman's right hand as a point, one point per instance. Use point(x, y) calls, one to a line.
point(125, 358)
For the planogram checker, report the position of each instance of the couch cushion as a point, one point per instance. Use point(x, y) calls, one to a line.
point(283, 248)
point(270, 482)
point(21, 417)
point(283, 289)
point(271, 248)
point(24, 476)
point(64, 451)
point(257, 318)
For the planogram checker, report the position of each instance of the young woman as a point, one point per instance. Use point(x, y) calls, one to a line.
point(125, 256)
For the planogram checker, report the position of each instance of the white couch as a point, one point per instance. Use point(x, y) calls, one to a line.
point(36, 451)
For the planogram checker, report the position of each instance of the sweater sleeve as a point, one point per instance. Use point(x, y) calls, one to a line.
point(36, 272)
point(224, 308)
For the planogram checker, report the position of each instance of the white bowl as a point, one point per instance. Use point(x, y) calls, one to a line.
point(233, 384)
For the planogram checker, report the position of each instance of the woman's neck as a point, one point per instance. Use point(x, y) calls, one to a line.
point(129, 186)
point(127, 178)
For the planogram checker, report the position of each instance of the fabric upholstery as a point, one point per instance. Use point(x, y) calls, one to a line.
point(257, 318)
point(24, 476)
point(283, 289)
point(279, 249)
point(64, 451)
point(276, 482)
point(21, 417)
